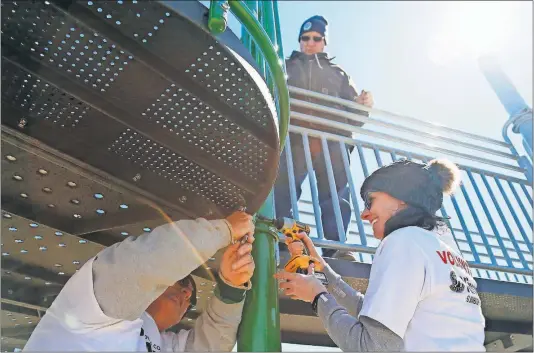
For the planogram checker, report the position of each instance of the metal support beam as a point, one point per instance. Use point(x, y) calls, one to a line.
point(23, 305)
point(510, 343)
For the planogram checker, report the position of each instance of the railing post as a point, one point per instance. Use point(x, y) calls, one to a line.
point(253, 7)
point(268, 25)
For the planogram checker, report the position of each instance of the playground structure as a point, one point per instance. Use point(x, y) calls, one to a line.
point(119, 116)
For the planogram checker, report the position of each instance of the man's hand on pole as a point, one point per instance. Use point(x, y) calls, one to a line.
point(237, 264)
point(241, 225)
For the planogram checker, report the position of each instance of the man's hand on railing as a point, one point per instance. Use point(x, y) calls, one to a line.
point(366, 98)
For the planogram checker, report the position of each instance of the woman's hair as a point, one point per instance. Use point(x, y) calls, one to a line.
point(413, 216)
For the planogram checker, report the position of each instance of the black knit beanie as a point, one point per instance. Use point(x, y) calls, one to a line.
point(419, 185)
point(315, 24)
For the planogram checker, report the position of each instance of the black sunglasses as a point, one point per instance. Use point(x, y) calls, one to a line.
point(307, 38)
point(368, 201)
point(185, 282)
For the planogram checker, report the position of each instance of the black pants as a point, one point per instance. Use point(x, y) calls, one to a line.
point(281, 190)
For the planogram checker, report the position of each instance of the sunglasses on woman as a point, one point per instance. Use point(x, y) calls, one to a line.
point(368, 201)
point(307, 38)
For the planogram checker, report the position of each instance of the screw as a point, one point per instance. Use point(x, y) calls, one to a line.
point(22, 123)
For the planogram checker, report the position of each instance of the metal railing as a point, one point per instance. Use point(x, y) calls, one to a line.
point(526, 160)
point(490, 214)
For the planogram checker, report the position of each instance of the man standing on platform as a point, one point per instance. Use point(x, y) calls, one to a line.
point(312, 69)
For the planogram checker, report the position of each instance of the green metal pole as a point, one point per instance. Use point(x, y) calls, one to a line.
point(218, 16)
point(260, 324)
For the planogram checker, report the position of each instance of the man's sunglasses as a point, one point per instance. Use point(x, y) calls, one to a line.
point(186, 282)
point(307, 38)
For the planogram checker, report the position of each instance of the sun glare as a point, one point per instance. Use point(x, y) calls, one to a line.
point(470, 29)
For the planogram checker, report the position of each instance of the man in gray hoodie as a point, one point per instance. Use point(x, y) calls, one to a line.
point(125, 297)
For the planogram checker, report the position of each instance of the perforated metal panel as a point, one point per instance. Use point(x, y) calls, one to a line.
point(117, 117)
point(37, 187)
point(144, 93)
point(37, 261)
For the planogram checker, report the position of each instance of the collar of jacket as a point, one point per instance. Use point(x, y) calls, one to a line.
point(297, 55)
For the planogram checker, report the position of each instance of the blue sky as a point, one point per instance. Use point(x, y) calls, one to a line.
point(419, 58)
point(390, 48)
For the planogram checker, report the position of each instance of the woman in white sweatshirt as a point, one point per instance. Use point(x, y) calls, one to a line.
point(421, 294)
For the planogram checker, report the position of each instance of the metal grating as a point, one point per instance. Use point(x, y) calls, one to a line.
point(85, 65)
point(229, 82)
point(37, 261)
point(185, 115)
point(12, 319)
point(44, 33)
point(110, 128)
point(140, 19)
point(41, 100)
point(39, 189)
point(144, 20)
point(39, 245)
point(162, 161)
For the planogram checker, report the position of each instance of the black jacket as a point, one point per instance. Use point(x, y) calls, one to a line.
point(317, 73)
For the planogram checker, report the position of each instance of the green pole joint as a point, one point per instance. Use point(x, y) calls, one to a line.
point(269, 224)
point(260, 324)
point(218, 16)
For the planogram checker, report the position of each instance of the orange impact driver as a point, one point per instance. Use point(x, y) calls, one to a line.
point(290, 227)
point(298, 262)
